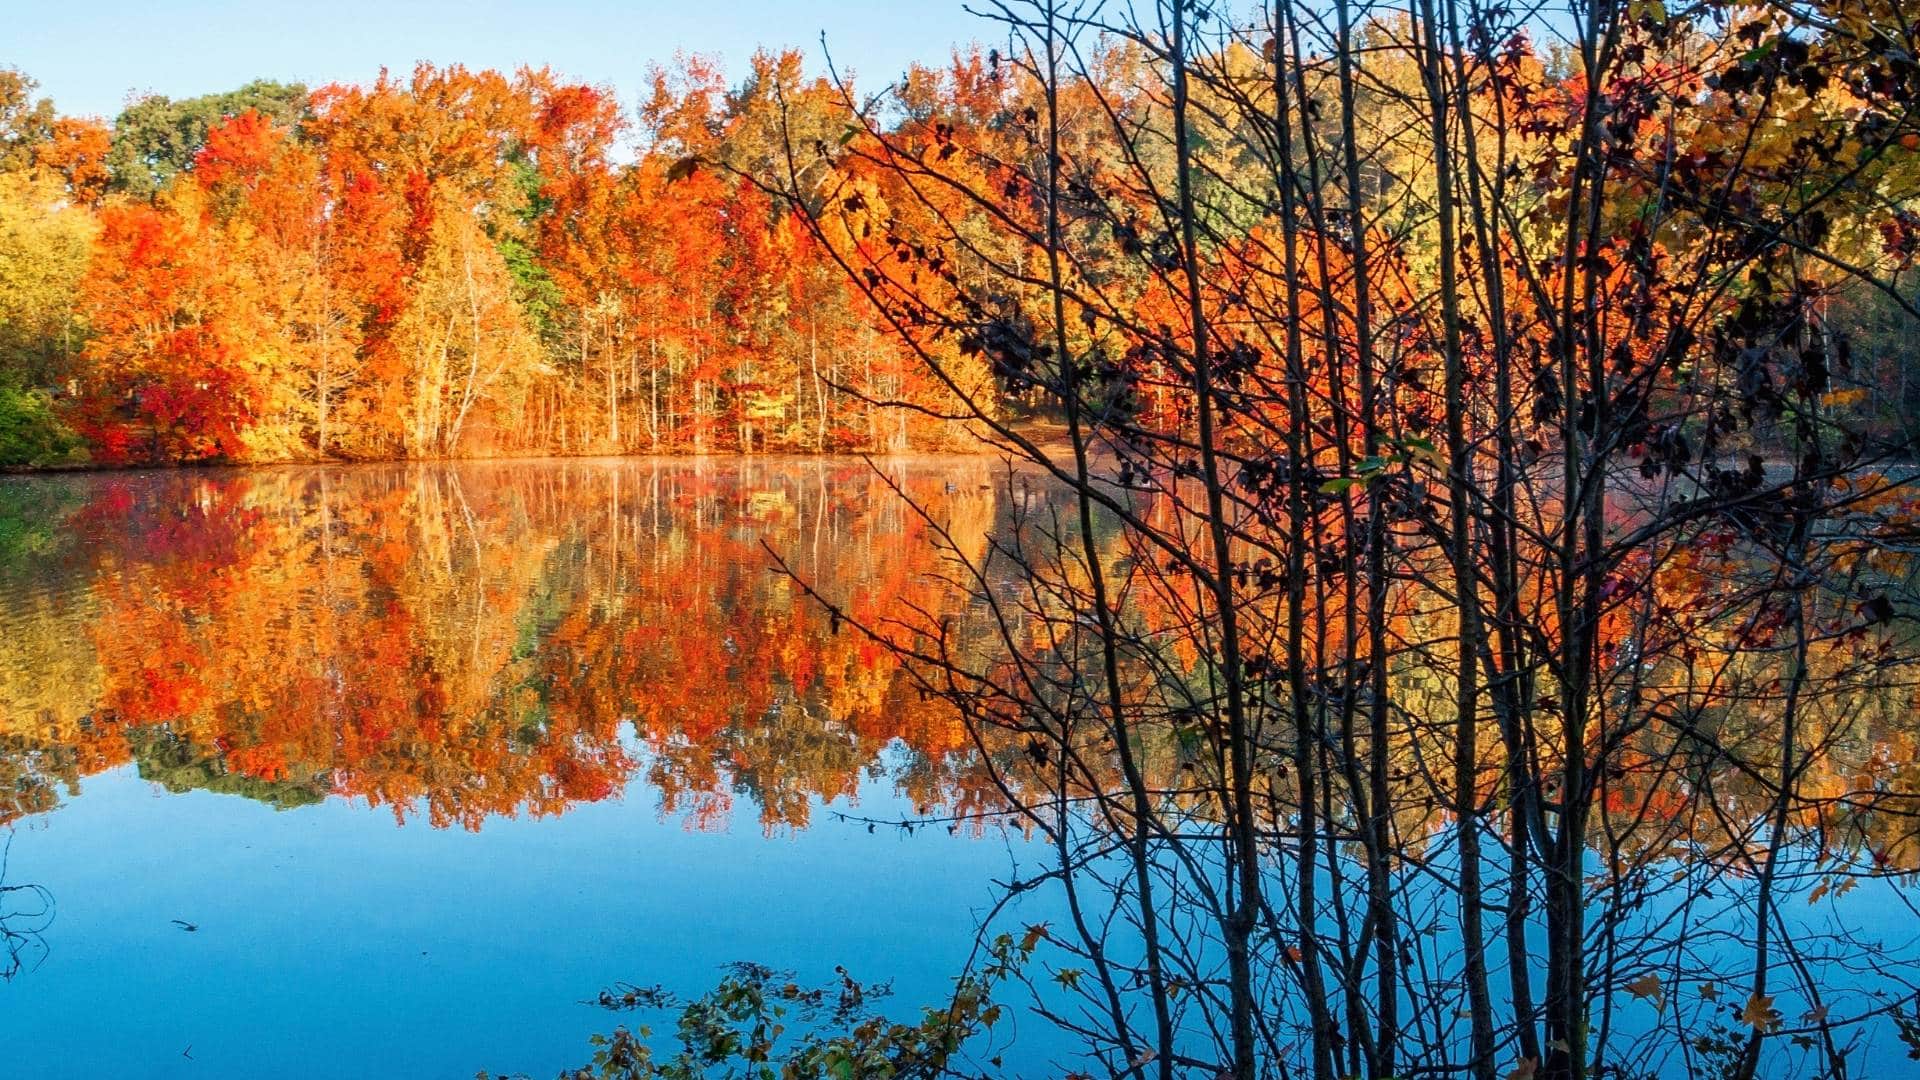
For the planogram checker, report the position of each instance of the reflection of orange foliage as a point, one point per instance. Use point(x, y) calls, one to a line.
point(507, 639)
point(470, 643)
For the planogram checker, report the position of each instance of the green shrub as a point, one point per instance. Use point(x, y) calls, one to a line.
point(30, 433)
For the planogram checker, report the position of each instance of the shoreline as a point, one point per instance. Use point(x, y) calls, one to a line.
point(854, 457)
point(1043, 434)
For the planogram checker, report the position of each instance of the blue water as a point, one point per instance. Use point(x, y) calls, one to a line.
point(333, 942)
point(537, 655)
point(634, 738)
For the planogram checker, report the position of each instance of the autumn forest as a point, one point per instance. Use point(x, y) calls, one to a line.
point(446, 263)
point(1382, 532)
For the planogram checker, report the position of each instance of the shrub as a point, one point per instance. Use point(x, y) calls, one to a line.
point(31, 435)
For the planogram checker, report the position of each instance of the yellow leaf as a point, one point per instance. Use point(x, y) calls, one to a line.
point(1760, 1012)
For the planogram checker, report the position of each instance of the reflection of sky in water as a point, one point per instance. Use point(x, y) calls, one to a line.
point(506, 642)
point(333, 943)
point(486, 636)
point(1875, 913)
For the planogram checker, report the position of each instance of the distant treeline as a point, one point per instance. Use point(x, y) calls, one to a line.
point(453, 263)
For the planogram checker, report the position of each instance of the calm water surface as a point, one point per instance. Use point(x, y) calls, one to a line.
point(383, 770)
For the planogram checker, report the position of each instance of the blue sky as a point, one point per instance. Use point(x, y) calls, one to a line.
point(90, 54)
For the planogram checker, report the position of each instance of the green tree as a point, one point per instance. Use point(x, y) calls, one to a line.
point(157, 137)
point(25, 122)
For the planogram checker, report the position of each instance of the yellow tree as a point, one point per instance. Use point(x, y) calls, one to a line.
point(44, 242)
point(465, 341)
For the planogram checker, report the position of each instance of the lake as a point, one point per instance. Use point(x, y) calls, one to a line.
point(391, 769)
point(387, 770)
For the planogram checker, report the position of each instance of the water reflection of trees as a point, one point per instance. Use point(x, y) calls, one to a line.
point(477, 641)
point(460, 643)
point(513, 639)
point(1693, 838)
